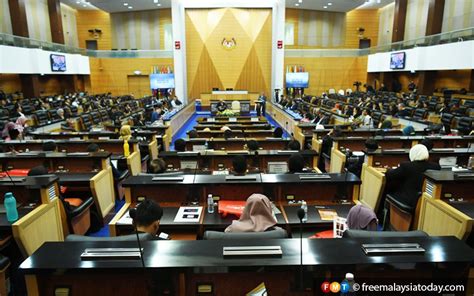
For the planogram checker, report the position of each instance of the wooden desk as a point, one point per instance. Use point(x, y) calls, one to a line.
point(195, 188)
point(236, 133)
point(207, 98)
point(186, 265)
point(224, 120)
point(447, 205)
point(393, 158)
point(238, 143)
point(233, 126)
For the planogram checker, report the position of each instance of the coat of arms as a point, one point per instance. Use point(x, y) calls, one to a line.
point(229, 44)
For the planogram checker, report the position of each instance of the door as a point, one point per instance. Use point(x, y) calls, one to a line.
point(139, 85)
point(91, 44)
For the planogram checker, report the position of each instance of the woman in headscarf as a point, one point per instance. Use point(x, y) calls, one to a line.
point(361, 218)
point(256, 217)
point(9, 130)
point(125, 132)
point(20, 125)
point(409, 175)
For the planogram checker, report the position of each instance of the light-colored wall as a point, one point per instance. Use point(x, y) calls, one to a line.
point(417, 16)
point(37, 16)
point(247, 66)
point(458, 14)
point(68, 16)
point(5, 21)
point(386, 24)
point(149, 29)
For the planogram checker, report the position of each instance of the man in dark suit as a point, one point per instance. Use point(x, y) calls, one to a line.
point(409, 176)
point(261, 102)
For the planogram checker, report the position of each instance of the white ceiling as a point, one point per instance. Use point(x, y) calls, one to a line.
point(137, 5)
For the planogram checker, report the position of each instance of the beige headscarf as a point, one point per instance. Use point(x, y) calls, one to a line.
point(419, 152)
point(256, 217)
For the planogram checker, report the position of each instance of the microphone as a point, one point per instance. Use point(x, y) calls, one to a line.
point(301, 215)
point(132, 213)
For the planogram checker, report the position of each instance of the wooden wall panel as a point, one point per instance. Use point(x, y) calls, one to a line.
point(366, 18)
point(111, 75)
point(246, 66)
point(94, 19)
point(165, 19)
point(326, 73)
point(10, 83)
point(456, 79)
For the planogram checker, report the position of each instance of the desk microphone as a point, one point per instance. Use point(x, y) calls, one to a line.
point(133, 213)
point(301, 215)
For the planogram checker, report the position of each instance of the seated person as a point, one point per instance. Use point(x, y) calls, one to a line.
point(257, 216)
point(180, 145)
point(93, 147)
point(157, 166)
point(146, 217)
point(408, 130)
point(428, 143)
point(239, 165)
point(50, 146)
point(294, 145)
point(192, 134)
point(156, 114)
point(252, 145)
point(227, 134)
point(221, 106)
point(362, 218)
point(386, 124)
point(295, 163)
point(409, 175)
point(278, 132)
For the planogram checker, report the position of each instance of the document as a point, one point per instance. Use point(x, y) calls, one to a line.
point(327, 214)
point(260, 290)
point(125, 219)
point(188, 215)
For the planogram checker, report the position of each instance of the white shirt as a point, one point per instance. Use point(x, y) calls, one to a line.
point(367, 121)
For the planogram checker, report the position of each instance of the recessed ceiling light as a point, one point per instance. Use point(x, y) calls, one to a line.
point(155, 1)
point(77, 2)
point(325, 7)
point(297, 4)
point(84, 5)
point(130, 7)
point(125, 4)
point(300, 1)
point(330, 3)
point(159, 4)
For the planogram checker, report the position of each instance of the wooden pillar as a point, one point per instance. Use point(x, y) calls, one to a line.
point(30, 85)
point(399, 17)
point(426, 82)
point(471, 85)
point(55, 20)
point(435, 17)
point(18, 18)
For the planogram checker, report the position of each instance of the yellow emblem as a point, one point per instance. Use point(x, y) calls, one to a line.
point(229, 44)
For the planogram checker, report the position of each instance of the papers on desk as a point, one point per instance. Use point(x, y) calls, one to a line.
point(260, 290)
point(188, 165)
point(254, 119)
point(222, 173)
point(125, 219)
point(327, 214)
point(199, 148)
point(211, 119)
point(449, 161)
point(188, 214)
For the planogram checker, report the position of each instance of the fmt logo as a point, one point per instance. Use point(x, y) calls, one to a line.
point(335, 287)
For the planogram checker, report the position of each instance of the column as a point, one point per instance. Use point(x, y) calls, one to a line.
point(55, 20)
point(399, 17)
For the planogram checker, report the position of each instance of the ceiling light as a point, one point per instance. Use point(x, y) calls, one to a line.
point(330, 3)
point(297, 4)
point(325, 7)
point(84, 5)
point(378, 1)
point(130, 7)
point(159, 4)
point(300, 1)
point(77, 2)
point(155, 1)
point(125, 4)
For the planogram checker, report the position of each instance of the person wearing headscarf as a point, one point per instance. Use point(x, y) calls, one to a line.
point(125, 132)
point(256, 217)
point(361, 218)
point(9, 130)
point(408, 130)
point(20, 124)
point(409, 175)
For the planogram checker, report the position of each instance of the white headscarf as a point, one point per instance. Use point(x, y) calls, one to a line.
point(419, 152)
